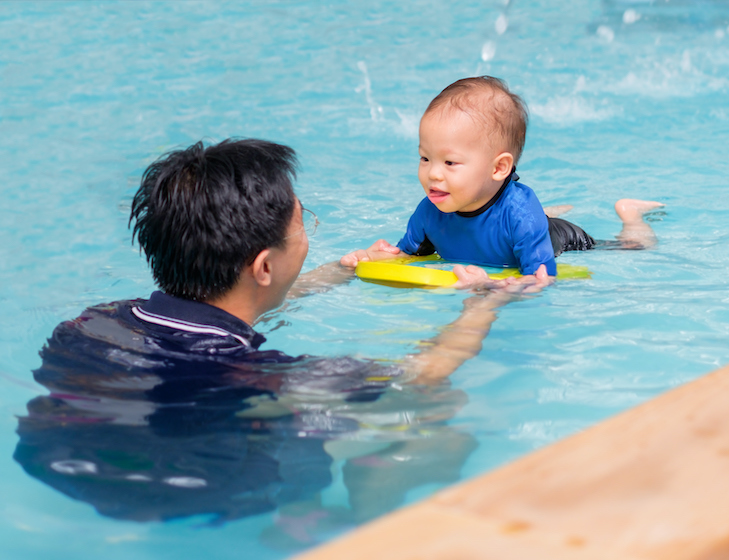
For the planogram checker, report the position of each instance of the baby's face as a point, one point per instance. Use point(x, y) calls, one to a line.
point(456, 161)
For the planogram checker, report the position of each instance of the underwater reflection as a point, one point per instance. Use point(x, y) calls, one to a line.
point(147, 439)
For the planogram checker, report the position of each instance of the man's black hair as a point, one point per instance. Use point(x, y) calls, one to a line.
point(203, 213)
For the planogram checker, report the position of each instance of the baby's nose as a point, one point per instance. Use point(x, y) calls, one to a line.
point(435, 173)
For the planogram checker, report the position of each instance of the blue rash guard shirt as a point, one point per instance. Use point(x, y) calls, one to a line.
point(509, 231)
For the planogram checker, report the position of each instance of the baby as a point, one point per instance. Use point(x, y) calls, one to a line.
point(475, 211)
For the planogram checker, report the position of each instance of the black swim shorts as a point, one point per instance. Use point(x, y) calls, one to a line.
point(566, 236)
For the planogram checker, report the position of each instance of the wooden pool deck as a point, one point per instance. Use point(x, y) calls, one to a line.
point(649, 483)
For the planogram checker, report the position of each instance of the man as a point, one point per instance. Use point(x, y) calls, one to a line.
point(224, 235)
point(168, 407)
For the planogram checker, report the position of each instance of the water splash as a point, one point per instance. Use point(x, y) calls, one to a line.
point(605, 33)
point(488, 51)
point(502, 24)
point(630, 16)
point(570, 110)
point(408, 125)
point(376, 110)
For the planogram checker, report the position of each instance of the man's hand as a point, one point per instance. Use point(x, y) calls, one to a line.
point(379, 251)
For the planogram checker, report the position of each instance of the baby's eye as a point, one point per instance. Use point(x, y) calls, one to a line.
point(450, 162)
point(423, 159)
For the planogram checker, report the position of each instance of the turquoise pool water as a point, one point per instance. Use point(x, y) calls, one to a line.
point(627, 99)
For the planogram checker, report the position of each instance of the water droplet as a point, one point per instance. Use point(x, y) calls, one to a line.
point(630, 16)
point(605, 33)
point(502, 24)
point(488, 51)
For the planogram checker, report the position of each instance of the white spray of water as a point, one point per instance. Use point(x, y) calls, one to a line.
point(409, 124)
point(630, 16)
point(376, 110)
point(502, 24)
point(571, 110)
point(605, 33)
point(488, 51)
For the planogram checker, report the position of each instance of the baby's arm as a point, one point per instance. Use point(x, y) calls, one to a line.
point(380, 250)
point(532, 243)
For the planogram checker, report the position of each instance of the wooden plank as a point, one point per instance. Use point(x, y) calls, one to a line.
point(649, 483)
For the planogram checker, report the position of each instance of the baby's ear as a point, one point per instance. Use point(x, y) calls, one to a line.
point(503, 164)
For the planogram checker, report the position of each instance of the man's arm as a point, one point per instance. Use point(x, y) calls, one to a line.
point(332, 274)
point(462, 339)
point(319, 280)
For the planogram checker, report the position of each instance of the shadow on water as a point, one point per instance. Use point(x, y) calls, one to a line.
point(148, 438)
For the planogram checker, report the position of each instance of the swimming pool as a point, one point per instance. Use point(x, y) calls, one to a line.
point(627, 99)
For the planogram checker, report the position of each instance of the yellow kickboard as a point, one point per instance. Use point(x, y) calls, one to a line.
point(399, 273)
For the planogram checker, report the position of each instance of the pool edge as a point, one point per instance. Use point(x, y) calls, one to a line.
point(649, 482)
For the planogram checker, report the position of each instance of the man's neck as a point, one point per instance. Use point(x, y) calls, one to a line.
point(240, 303)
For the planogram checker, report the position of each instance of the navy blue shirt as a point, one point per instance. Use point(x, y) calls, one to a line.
point(179, 340)
point(167, 408)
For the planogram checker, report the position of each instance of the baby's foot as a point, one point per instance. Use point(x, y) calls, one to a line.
point(632, 209)
point(554, 211)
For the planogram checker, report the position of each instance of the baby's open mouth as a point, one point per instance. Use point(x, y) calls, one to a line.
point(435, 195)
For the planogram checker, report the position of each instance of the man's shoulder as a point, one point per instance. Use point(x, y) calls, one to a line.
point(93, 320)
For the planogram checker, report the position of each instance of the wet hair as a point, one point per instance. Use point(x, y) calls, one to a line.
point(204, 213)
point(489, 100)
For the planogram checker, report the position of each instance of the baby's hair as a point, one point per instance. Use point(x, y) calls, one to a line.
point(489, 100)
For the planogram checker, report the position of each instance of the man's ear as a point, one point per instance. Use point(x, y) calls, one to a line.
point(261, 268)
point(503, 164)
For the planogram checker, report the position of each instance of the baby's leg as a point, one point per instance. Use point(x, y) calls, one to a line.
point(636, 233)
point(556, 211)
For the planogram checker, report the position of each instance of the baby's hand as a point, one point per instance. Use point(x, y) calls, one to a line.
point(535, 282)
point(475, 277)
point(380, 250)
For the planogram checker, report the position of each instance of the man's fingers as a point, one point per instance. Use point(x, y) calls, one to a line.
point(383, 245)
point(352, 259)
